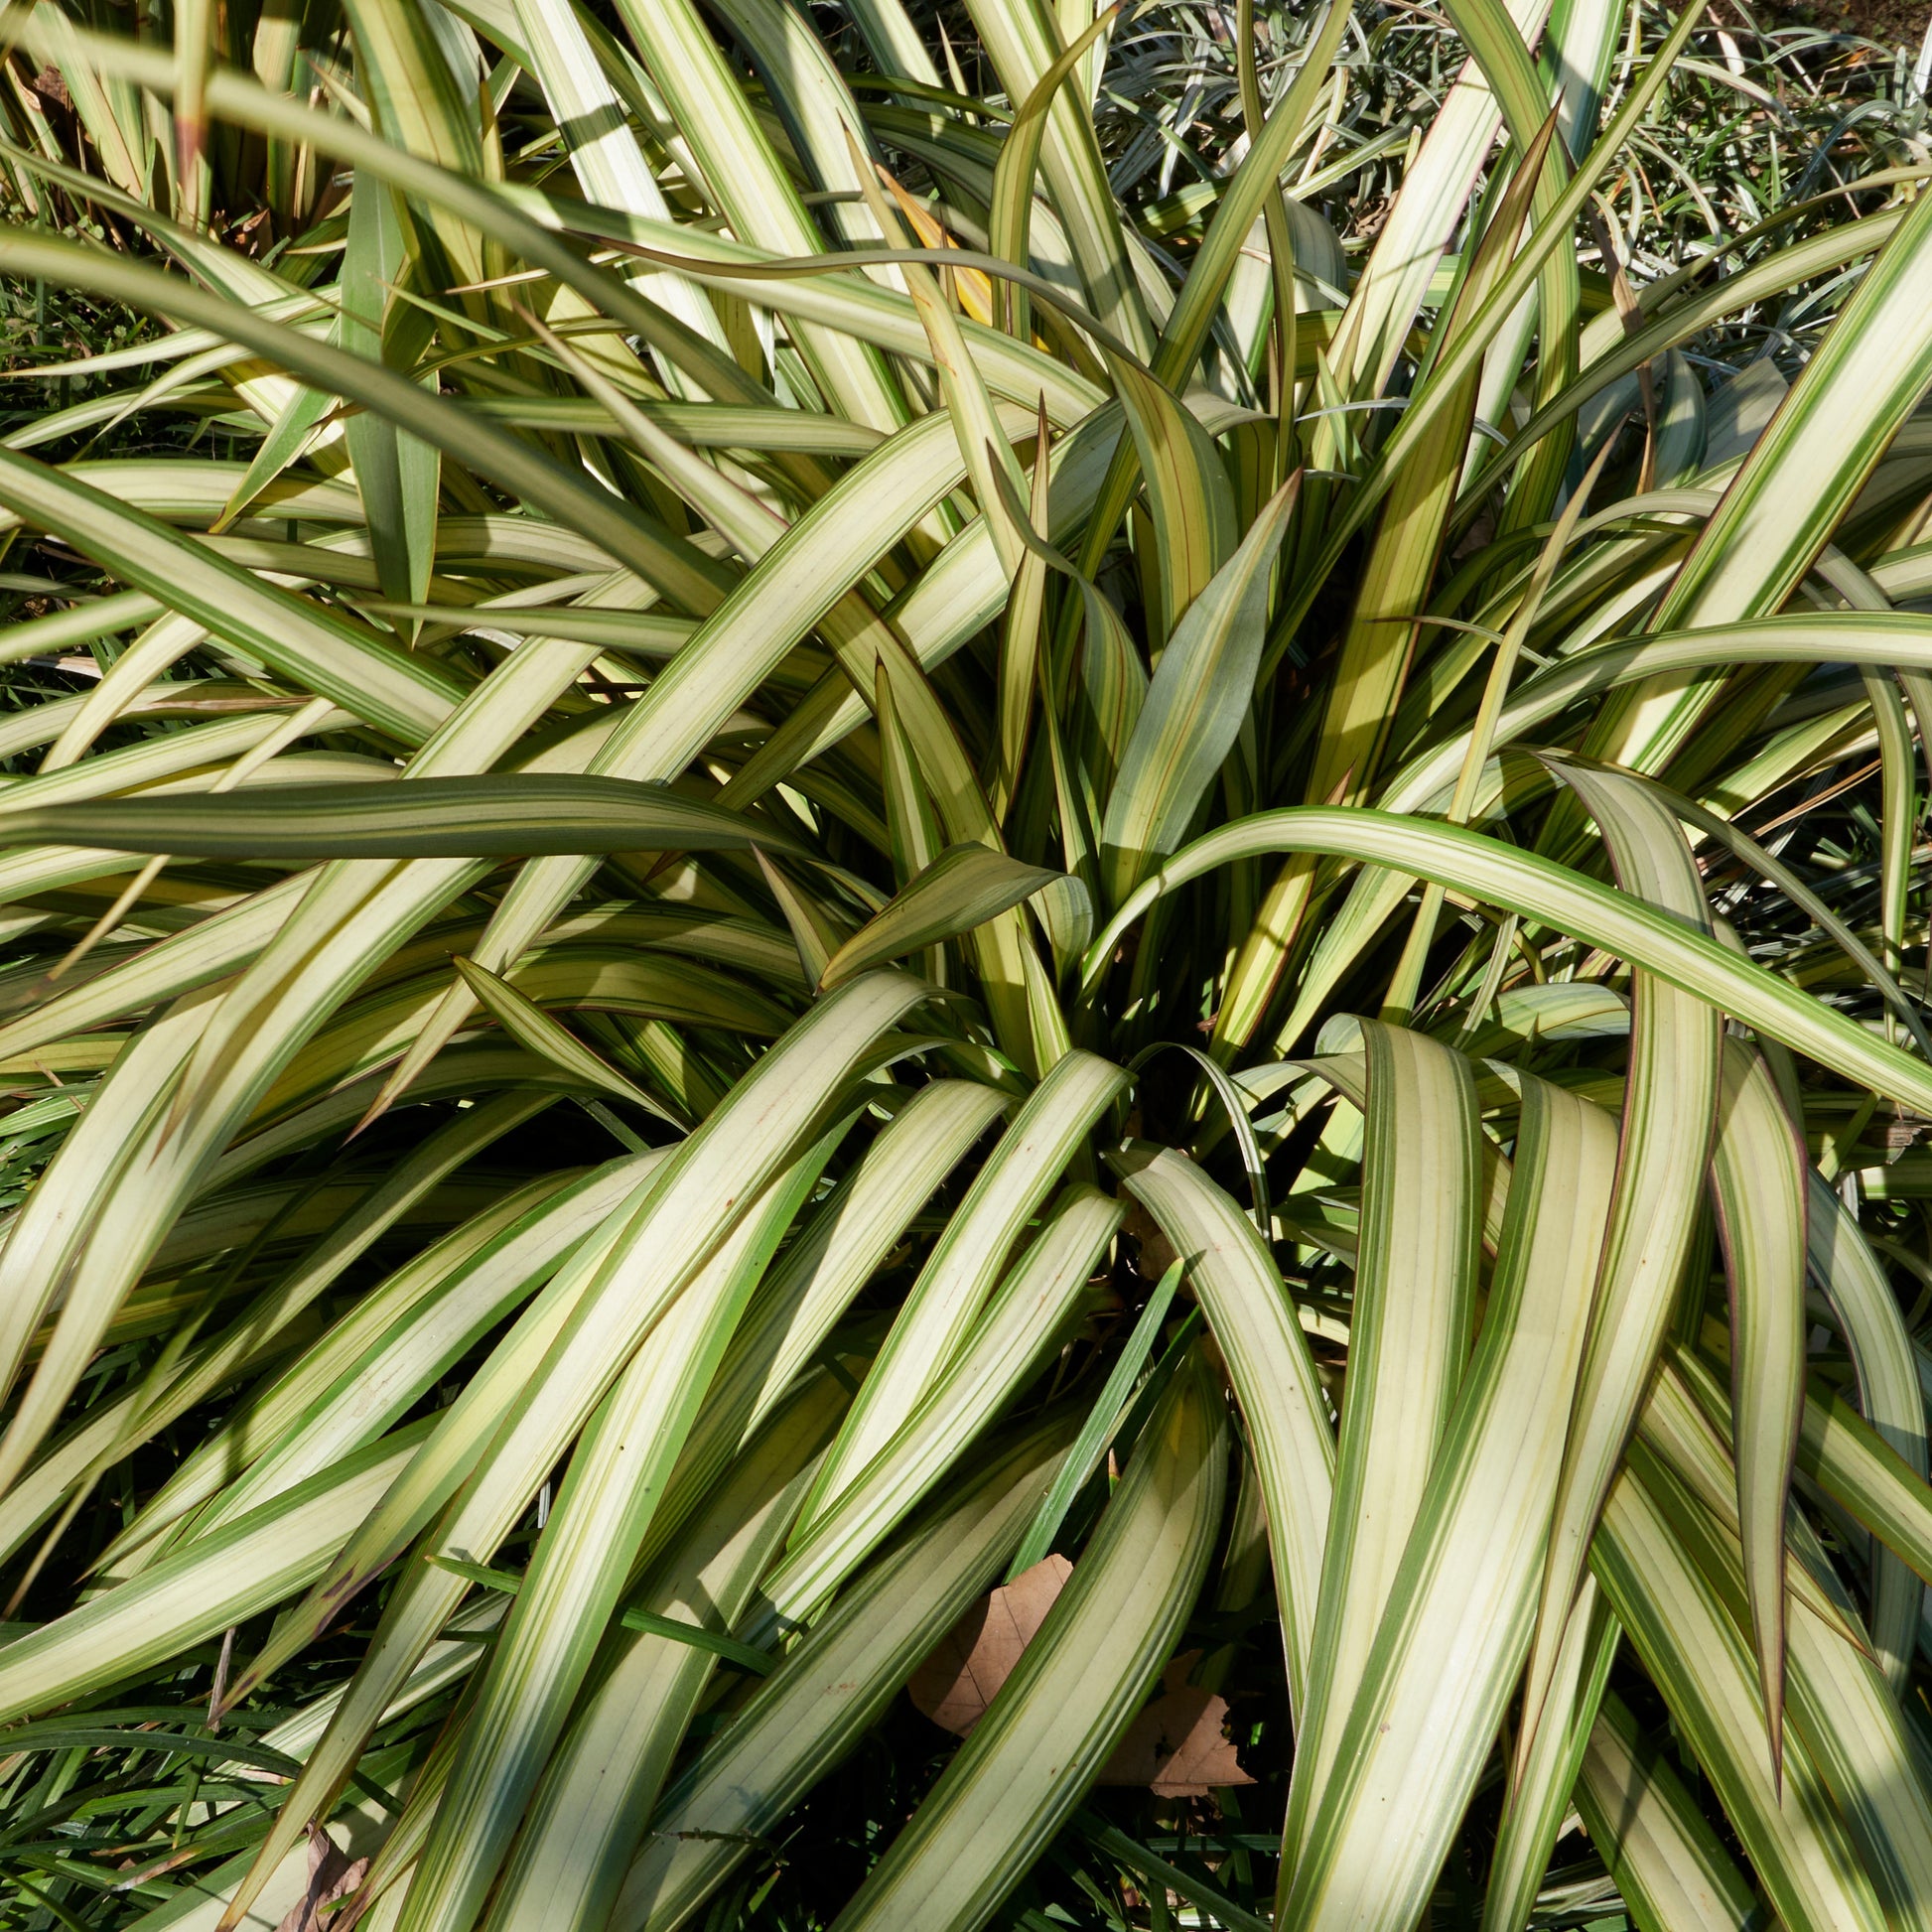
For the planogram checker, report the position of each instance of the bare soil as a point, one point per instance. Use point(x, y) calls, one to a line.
point(1898, 23)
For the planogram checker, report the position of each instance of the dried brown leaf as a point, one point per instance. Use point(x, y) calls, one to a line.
point(958, 1681)
point(331, 1877)
point(1177, 1747)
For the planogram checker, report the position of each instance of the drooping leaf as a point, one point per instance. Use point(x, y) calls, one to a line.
point(504, 817)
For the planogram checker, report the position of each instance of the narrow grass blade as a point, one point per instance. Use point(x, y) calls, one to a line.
point(253, 1564)
point(1109, 1406)
point(529, 1025)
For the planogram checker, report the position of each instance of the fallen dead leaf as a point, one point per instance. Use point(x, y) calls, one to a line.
point(331, 1877)
point(958, 1682)
point(1177, 1747)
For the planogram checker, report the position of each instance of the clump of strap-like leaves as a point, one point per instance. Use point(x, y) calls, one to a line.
point(767, 852)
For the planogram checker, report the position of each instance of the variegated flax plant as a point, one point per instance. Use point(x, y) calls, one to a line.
point(782, 831)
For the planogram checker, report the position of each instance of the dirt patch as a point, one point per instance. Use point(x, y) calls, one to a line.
point(1895, 23)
